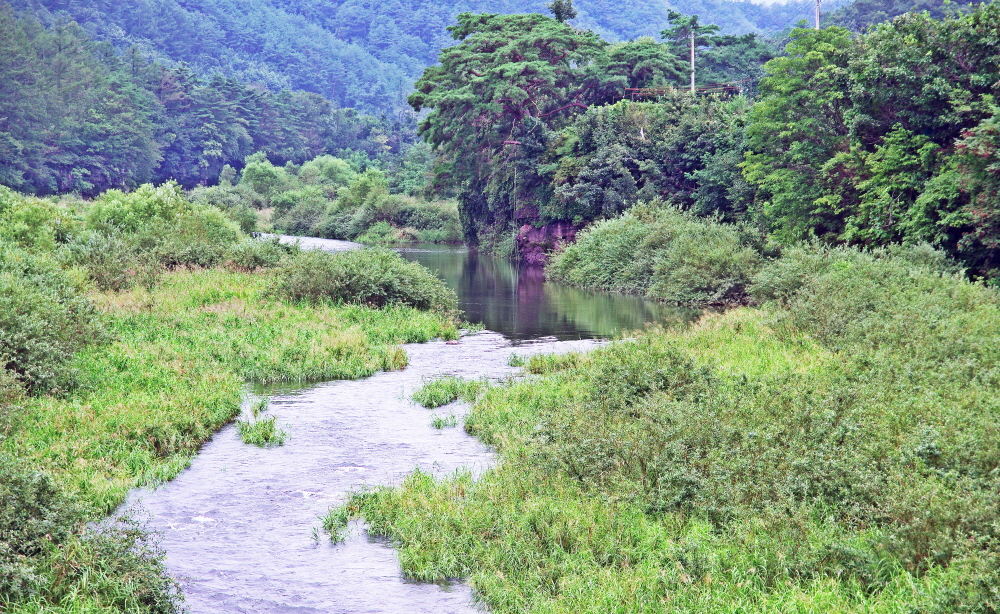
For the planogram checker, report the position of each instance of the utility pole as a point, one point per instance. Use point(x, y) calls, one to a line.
point(817, 14)
point(692, 58)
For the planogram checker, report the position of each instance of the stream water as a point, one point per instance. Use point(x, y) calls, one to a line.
point(240, 526)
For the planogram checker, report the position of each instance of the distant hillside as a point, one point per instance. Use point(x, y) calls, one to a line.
point(859, 15)
point(356, 53)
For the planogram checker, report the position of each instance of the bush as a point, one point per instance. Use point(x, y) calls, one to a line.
point(372, 277)
point(34, 223)
point(662, 253)
point(34, 515)
point(47, 555)
point(115, 263)
point(163, 221)
point(44, 320)
point(255, 253)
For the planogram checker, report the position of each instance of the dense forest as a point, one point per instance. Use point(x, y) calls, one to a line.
point(75, 116)
point(354, 53)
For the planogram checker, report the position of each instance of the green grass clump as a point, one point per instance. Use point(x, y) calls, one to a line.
point(662, 253)
point(440, 422)
point(261, 432)
point(447, 389)
point(372, 277)
point(833, 451)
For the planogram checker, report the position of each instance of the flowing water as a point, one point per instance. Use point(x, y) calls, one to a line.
point(241, 526)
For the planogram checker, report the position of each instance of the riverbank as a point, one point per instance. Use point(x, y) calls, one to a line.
point(130, 329)
point(834, 450)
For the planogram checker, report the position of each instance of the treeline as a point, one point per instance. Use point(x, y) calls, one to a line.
point(337, 198)
point(354, 53)
point(884, 137)
point(77, 117)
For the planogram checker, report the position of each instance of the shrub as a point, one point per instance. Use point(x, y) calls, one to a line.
point(238, 203)
point(662, 253)
point(369, 276)
point(44, 319)
point(252, 254)
point(34, 223)
point(163, 221)
point(114, 262)
point(34, 514)
point(46, 553)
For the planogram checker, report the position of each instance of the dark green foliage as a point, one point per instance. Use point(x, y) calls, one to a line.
point(357, 54)
point(498, 94)
point(44, 320)
point(863, 14)
point(883, 138)
point(662, 253)
point(76, 117)
point(677, 149)
point(372, 277)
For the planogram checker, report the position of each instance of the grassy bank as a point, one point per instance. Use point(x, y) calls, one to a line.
point(130, 327)
point(832, 451)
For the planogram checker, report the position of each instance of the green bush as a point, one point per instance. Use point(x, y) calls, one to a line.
point(35, 223)
point(662, 253)
point(49, 558)
point(239, 203)
point(368, 276)
point(253, 254)
point(162, 220)
point(44, 319)
point(114, 262)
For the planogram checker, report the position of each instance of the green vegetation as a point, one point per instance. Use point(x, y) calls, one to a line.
point(373, 277)
point(356, 54)
point(444, 390)
point(112, 378)
point(663, 253)
point(79, 117)
point(335, 198)
point(261, 432)
point(832, 450)
point(440, 422)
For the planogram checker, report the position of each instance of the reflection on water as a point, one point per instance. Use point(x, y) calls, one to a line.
point(517, 302)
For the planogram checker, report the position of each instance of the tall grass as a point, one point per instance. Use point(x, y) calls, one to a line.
point(835, 450)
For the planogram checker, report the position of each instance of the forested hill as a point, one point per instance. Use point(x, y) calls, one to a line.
point(364, 54)
point(859, 15)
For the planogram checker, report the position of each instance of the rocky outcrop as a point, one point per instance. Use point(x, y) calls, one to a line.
point(535, 244)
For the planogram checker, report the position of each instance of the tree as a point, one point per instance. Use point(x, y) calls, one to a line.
point(562, 10)
point(497, 95)
point(687, 31)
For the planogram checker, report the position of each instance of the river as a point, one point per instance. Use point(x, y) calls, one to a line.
point(240, 526)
